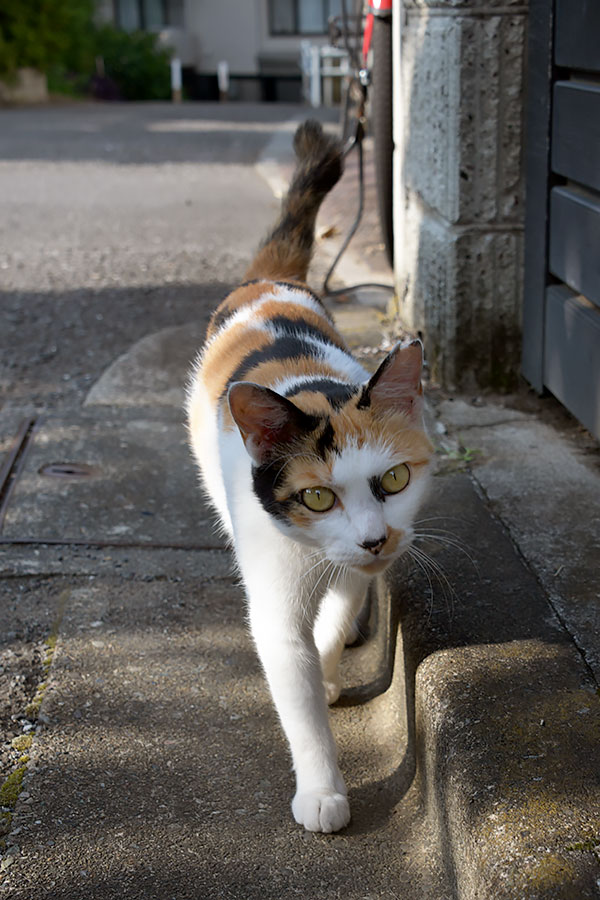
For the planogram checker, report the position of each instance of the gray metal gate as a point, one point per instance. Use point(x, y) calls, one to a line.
point(561, 317)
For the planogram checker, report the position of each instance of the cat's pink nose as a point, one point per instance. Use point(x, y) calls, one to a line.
point(374, 546)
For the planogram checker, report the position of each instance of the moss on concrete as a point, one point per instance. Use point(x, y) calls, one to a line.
point(22, 742)
point(591, 845)
point(551, 871)
point(32, 709)
point(10, 790)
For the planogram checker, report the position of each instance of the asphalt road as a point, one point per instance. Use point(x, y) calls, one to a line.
point(119, 220)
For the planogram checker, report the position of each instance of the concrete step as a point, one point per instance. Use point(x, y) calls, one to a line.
point(159, 769)
point(504, 712)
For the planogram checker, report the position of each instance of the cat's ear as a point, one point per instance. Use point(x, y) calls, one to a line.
point(266, 419)
point(397, 382)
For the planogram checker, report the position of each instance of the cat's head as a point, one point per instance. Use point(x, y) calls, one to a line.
point(345, 473)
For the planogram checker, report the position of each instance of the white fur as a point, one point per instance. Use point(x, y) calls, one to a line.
point(247, 313)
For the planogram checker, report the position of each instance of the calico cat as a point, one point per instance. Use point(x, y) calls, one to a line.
point(315, 469)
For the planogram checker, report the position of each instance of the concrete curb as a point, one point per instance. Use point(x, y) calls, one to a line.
point(505, 718)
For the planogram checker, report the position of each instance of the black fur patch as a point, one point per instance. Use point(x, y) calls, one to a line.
point(376, 489)
point(336, 393)
point(298, 328)
point(326, 441)
point(287, 348)
point(364, 400)
point(265, 481)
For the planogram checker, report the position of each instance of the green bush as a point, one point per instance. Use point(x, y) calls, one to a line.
point(135, 63)
point(59, 37)
point(46, 33)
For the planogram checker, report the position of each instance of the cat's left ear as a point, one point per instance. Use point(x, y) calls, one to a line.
point(397, 382)
point(266, 419)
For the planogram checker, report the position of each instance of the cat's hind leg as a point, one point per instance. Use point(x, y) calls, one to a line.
point(335, 621)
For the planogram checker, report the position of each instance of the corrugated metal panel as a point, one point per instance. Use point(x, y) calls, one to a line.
point(575, 240)
point(576, 132)
point(572, 354)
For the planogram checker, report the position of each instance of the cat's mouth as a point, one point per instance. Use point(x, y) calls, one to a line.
point(376, 566)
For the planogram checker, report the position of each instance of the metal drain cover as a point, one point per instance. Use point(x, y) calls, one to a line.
point(69, 470)
point(109, 477)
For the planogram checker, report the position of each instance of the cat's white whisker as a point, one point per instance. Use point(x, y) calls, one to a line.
point(448, 592)
point(416, 559)
point(313, 567)
point(443, 539)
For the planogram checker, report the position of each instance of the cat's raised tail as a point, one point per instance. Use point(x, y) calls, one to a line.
point(287, 251)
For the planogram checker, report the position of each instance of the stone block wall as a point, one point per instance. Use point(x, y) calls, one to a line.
point(460, 204)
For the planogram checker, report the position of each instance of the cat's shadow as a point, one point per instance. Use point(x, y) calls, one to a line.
point(373, 801)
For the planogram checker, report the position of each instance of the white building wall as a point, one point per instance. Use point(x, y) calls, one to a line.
point(229, 30)
point(236, 31)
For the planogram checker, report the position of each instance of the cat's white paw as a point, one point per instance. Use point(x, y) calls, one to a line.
point(321, 811)
point(332, 690)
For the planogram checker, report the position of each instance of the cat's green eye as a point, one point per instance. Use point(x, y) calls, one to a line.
point(396, 479)
point(319, 499)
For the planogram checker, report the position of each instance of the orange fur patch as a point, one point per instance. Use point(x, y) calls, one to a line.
point(287, 262)
point(242, 296)
point(223, 357)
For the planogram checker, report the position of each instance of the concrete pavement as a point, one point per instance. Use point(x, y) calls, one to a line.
point(469, 726)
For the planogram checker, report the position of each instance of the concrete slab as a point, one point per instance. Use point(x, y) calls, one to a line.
point(158, 768)
point(153, 372)
point(141, 487)
point(11, 423)
point(545, 486)
point(151, 563)
point(156, 698)
point(461, 413)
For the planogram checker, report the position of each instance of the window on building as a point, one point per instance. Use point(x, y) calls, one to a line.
point(133, 15)
point(302, 16)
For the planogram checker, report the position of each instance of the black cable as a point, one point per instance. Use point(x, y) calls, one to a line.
point(356, 141)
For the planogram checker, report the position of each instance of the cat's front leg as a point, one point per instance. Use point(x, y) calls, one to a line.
point(291, 662)
point(337, 613)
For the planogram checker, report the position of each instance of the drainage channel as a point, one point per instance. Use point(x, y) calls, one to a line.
point(14, 462)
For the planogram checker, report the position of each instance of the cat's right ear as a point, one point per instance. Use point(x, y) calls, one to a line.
point(266, 419)
point(397, 382)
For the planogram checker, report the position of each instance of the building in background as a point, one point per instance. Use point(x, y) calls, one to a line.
point(258, 39)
